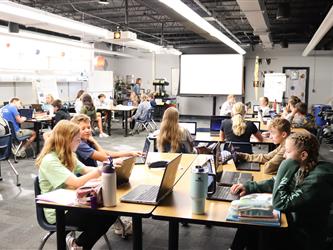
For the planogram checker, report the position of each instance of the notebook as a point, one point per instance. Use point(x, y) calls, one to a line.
point(190, 126)
point(124, 172)
point(215, 124)
point(26, 113)
point(142, 159)
point(151, 194)
point(243, 165)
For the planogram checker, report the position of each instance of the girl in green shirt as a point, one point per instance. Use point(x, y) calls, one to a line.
point(58, 166)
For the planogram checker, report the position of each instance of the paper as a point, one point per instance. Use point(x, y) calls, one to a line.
point(59, 196)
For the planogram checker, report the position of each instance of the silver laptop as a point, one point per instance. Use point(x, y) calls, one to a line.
point(124, 172)
point(151, 194)
point(190, 126)
point(142, 159)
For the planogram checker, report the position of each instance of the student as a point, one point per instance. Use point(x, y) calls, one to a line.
point(58, 167)
point(173, 138)
point(279, 130)
point(237, 129)
point(151, 99)
point(137, 86)
point(47, 106)
point(297, 117)
point(11, 114)
point(60, 113)
point(89, 150)
point(227, 105)
point(264, 106)
point(292, 101)
point(134, 99)
point(103, 102)
point(88, 108)
point(78, 101)
point(303, 190)
point(141, 113)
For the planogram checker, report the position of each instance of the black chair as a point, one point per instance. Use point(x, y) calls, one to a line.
point(19, 141)
point(243, 147)
point(5, 153)
point(51, 228)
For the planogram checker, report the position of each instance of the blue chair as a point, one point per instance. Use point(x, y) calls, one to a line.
point(51, 228)
point(243, 147)
point(19, 141)
point(5, 152)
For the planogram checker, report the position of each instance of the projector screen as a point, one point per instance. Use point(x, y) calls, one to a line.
point(211, 74)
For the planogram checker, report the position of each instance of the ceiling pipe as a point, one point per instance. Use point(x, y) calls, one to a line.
point(324, 27)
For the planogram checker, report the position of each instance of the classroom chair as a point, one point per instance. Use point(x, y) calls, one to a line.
point(51, 228)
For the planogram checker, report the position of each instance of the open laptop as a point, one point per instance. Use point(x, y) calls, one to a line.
point(26, 113)
point(142, 159)
point(190, 126)
point(229, 178)
point(257, 123)
point(215, 124)
point(243, 165)
point(151, 194)
point(37, 107)
point(124, 172)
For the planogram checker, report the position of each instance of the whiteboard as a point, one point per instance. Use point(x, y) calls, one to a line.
point(101, 82)
point(275, 85)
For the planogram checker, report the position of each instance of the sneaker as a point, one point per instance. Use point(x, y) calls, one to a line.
point(70, 243)
point(21, 153)
point(101, 135)
point(123, 227)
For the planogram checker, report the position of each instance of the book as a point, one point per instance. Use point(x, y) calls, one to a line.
point(274, 222)
point(59, 196)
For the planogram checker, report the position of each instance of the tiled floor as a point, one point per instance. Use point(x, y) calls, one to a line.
point(19, 228)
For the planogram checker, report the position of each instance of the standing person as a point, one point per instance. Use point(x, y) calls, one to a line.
point(141, 113)
point(58, 168)
point(60, 113)
point(137, 86)
point(264, 106)
point(172, 137)
point(47, 106)
point(88, 108)
point(11, 114)
point(237, 129)
point(78, 101)
point(279, 130)
point(303, 189)
point(227, 105)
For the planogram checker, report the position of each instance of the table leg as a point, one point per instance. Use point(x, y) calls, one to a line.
point(61, 233)
point(109, 112)
point(173, 235)
point(37, 127)
point(137, 233)
point(126, 123)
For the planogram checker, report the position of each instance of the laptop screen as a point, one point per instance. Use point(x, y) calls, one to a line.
point(211, 174)
point(190, 126)
point(169, 176)
point(215, 122)
point(257, 125)
point(146, 148)
point(26, 113)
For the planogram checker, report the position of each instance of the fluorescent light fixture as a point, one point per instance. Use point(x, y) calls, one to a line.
point(112, 53)
point(32, 17)
point(193, 17)
point(105, 2)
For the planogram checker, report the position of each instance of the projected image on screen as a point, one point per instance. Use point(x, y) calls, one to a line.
point(211, 74)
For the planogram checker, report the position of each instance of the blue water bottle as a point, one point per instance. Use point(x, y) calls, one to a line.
point(199, 178)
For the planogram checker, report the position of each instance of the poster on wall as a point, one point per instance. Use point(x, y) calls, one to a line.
point(44, 86)
point(275, 85)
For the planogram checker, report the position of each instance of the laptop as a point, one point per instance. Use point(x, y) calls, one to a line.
point(257, 123)
point(124, 172)
point(243, 165)
point(26, 113)
point(37, 107)
point(229, 178)
point(142, 159)
point(151, 194)
point(215, 124)
point(190, 126)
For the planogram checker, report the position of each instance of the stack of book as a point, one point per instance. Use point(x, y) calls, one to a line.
point(254, 209)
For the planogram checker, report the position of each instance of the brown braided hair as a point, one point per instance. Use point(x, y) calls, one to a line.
point(309, 143)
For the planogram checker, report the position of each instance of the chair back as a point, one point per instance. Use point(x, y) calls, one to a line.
point(5, 147)
point(150, 114)
point(243, 147)
point(12, 130)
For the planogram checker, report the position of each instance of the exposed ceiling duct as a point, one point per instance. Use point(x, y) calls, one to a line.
point(256, 14)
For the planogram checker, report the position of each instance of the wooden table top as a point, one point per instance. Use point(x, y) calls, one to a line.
point(178, 205)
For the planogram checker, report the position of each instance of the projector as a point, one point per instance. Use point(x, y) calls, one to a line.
point(122, 36)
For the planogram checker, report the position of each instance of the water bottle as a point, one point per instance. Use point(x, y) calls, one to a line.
point(109, 184)
point(199, 178)
point(278, 108)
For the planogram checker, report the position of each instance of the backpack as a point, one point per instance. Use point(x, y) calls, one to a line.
point(4, 127)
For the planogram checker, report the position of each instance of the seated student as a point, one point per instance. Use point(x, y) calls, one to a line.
point(47, 106)
point(151, 99)
point(292, 101)
point(103, 102)
point(227, 105)
point(89, 150)
point(173, 138)
point(11, 114)
point(58, 167)
point(303, 189)
point(264, 106)
point(78, 101)
point(279, 130)
point(88, 108)
point(60, 113)
point(237, 129)
point(297, 118)
point(141, 112)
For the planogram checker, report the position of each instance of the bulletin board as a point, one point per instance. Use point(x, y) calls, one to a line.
point(275, 85)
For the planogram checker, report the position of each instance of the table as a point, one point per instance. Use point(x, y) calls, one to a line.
point(126, 111)
point(140, 174)
point(176, 208)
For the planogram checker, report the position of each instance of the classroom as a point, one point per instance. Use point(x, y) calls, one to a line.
point(166, 124)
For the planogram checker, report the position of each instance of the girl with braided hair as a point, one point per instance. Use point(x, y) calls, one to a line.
point(303, 189)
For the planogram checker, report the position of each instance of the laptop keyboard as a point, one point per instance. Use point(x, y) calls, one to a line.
point(223, 193)
point(149, 195)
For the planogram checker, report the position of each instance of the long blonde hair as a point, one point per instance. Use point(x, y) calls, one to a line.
point(60, 142)
point(238, 122)
point(170, 131)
